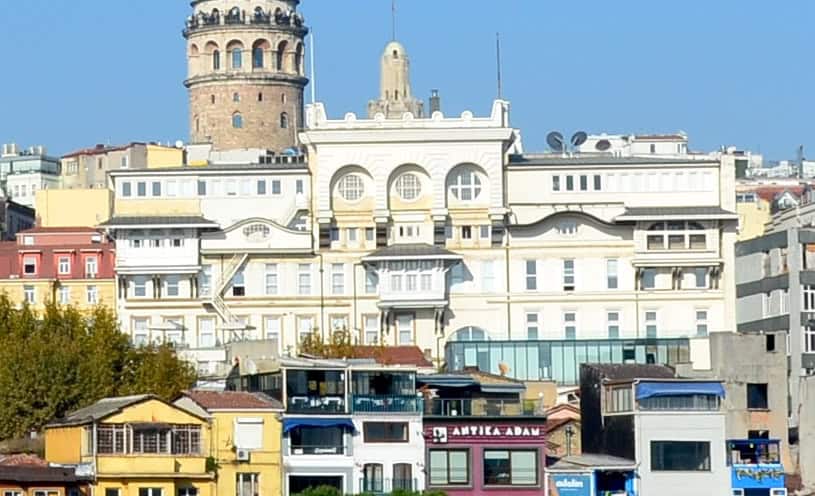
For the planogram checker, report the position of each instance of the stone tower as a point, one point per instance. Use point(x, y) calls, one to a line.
point(395, 96)
point(246, 73)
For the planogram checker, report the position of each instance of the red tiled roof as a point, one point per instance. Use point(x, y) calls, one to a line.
point(555, 424)
point(393, 355)
point(99, 149)
point(563, 411)
point(768, 193)
point(22, 460)
point(235, 400)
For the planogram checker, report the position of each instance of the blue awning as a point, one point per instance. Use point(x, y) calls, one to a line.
point(293, 423)
point(653, 389)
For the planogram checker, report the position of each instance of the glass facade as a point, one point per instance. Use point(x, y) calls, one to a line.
point(560, 360)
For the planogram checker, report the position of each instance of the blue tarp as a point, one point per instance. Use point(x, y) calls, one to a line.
point(653, 389)
point(293, 423)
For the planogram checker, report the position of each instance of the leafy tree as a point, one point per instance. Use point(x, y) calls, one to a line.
point(63, 359)
point(340, 345)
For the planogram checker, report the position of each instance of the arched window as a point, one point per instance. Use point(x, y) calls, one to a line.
point(465, 184)
point(351, 187)
point(257, 58)
point(408, 186)
point(212, 99)
point(197, 124)
point(237, 57)
point(236, 97)
point(470, 334)
point(216, 60)
point(282, 98)
point(237, 120)
point(284, 120)
point(260, 97)
point(298, 59)
point(281, 56)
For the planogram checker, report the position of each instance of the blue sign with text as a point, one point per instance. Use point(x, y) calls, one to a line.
point(570, 484)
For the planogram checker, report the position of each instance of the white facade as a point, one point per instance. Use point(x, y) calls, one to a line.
point(659, 426)
point(22, 187)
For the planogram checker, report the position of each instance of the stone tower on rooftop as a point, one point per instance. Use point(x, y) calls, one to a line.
point(395, 95)
point(246, 73)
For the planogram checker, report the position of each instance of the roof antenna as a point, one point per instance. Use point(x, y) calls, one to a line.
point(393, 20)
point(498, 62)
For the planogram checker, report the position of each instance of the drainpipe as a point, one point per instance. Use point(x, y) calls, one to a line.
point(507, 282)
point(354, 306)
point(322, 295)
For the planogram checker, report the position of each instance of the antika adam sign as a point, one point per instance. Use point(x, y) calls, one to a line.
point(453, 433)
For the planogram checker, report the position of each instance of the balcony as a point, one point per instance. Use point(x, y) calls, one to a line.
point(362, 403)
point(316, 405)
point(479, 407)
point(755, 463)
point(387, 486)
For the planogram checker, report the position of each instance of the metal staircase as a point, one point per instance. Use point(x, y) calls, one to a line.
point(217, 300)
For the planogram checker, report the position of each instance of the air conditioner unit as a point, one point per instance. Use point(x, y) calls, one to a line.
point(242, 455)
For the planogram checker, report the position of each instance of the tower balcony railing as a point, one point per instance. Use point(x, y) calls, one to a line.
point(205, 20)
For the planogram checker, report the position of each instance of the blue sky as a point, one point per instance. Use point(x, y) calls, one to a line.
point(724, 71)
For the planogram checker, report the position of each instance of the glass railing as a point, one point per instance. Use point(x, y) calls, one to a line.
point(317, 450)
point(560, 360)
point(479, 407)
point(316, 404)
point(365, 403)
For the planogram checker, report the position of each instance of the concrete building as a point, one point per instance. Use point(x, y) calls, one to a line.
point(352, 424)
point(22, 187)
point(246, 73)
point(666, 425)
point(14, 218)
point(775, 284)
point(87, 168)
point(753, 370)
point(24, 171)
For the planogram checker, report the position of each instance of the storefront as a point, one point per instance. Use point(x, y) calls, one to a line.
point(755, 467)
point(485, 456)
point(591, 475)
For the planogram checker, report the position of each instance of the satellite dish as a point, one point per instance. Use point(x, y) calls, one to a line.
point(602, 145)
point(579, 138)
point(555, 141)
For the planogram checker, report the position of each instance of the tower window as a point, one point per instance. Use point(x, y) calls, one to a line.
point(281, 55)
point(197, 125)
point(237, 58)
point(212, 99)
point(395, 54)
point(236, 97)
point(257, 58)
point(395, 94)
point(216, 60)
point(260, 97)
point(283, 98)
point(284, 120)
point(237, 120)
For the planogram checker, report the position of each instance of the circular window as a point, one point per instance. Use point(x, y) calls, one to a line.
point(466, 185)
point(408, 186)
point(351, 187)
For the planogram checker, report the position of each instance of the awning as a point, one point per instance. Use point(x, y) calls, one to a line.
point(654, 389)
point(293, 423)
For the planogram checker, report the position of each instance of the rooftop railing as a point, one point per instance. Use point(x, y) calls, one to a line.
point(389, 403)
point(479, 407)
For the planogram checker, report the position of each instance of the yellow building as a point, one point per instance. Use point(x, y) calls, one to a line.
point(73, 207)
point(245, 442)
point(135, 446)
point(161, 157)
point(204, 444)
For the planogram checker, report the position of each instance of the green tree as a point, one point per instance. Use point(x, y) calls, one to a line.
point(62, 359)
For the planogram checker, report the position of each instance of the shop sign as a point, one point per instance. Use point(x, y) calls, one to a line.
point(452, 433)
point(570, 485)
